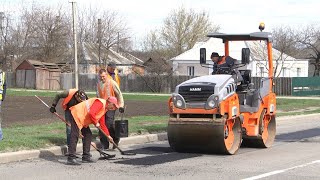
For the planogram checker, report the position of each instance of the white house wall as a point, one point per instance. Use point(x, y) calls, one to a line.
point(291, 69)
point(182, 68)
point(258, 50)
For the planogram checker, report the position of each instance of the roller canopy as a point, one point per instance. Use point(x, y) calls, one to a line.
point(242, 37)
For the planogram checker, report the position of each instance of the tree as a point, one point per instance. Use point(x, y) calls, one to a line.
point(284, 40)
point(183, 28)
point(179, 33)
point(42, 34)
point(308, 40)
point(110, 32)
point(5, 41)
point(284, 44)
point(152, 46)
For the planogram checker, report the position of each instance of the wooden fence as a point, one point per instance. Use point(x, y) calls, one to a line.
point(158, 84)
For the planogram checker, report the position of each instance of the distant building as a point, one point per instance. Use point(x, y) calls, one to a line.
point(91, 60)
point(188, 63)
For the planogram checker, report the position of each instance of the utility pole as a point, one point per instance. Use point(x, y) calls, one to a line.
point(74, 18)
point(99, 41)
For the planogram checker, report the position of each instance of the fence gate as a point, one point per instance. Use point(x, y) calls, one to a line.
point(306, 86)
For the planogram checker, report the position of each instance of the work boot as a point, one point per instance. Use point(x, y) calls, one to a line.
point(87, 160)
point(72, 161)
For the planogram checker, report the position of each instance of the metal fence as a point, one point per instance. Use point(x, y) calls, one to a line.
point(305, 86)
point(166, 84)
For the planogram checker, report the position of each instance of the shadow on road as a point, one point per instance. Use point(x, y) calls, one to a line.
point(157, 159)
point(151, 150)
point(49, 156)
point(298, 135)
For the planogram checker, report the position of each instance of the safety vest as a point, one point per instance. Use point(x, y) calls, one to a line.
point(80, 112)
point(222, 60)
point(105, 90)
point(68, 98)
point(2, 80)
point(116, 77)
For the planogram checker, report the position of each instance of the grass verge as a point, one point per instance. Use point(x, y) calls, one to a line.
point(19, 137)
point(140, 97)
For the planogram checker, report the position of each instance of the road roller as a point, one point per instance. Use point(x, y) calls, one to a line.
point(218, 113)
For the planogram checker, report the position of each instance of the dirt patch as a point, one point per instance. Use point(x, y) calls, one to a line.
point(27, 110)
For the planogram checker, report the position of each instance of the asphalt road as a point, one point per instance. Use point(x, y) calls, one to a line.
point(294, 155)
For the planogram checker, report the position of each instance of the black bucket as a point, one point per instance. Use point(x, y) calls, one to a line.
point(121, 128)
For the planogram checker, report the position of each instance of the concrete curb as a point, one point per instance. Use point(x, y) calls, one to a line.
point(61, 150)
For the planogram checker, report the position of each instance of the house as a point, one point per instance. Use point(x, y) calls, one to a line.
point(38, 75)
point(92, 58)
point(188, 63)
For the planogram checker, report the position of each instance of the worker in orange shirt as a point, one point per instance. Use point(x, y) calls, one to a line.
point(88, 112)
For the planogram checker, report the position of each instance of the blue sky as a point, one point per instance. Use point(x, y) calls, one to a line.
point(233, 16)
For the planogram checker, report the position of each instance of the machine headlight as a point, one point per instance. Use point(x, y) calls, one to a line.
point(212, 102)
point(179, 103)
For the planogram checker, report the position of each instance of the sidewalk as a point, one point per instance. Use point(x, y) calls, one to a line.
point(61, 150)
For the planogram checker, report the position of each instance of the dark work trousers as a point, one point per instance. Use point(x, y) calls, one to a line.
point(86, 140)
point(68, 117)
point(109, 120)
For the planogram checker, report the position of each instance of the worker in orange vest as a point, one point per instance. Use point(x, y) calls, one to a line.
point(71, 97)
point(91, 111)
point(222, 64)
point(112, 72)
point(105, 88)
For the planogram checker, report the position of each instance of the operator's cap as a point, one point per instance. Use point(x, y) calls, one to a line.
point(112, 64)
point(214, 54)
point(113, 100)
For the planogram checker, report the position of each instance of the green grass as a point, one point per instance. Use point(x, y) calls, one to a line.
point(292, 113)
point(147, 124)
point(134, 97)
point(296, 104)
point(24, 92)
point(32, 137)
point(54, 134)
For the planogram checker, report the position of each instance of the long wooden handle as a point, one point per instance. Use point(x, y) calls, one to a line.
point(60, 117)
point(112, 141)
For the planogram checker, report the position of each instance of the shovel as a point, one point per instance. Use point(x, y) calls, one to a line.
point(102, 153)
point(115, 145)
